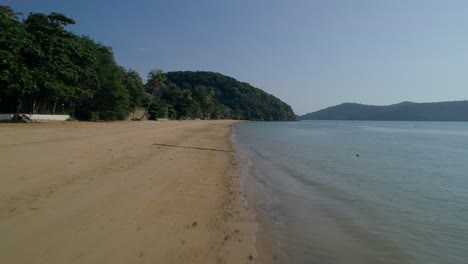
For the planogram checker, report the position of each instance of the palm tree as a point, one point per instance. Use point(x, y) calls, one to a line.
point(156, 79)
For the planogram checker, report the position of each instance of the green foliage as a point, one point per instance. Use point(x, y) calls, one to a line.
point(43, 66)
point(159, 109)
point(156, 79)
point(7, 11)
point(209, 95)
point(135, 88)
point(16, 45)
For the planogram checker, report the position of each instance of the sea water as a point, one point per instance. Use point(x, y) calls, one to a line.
point(357, 191)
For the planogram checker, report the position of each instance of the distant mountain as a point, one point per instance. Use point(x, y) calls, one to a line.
point(404, 111)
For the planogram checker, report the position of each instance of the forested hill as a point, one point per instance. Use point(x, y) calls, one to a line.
point(47, 69)
point(405, 111)
point(218, 96)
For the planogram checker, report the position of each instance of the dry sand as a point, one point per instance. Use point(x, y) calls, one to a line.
point(108, 193)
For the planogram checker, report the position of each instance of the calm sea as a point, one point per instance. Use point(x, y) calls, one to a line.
point(357, 191)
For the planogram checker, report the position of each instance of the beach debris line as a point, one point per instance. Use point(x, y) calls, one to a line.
point(190, 147)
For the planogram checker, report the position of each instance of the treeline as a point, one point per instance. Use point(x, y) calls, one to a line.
point(44, 68)
point(48, 69)
point(209, 95)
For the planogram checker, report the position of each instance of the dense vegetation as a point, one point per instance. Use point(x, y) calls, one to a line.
point(213, 95)
point(44, 68)
point(405, 111)
point(47, 69)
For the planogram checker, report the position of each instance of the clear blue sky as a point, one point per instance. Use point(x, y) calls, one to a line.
point(311, 54)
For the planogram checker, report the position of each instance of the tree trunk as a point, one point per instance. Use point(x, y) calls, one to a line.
point(149, 104)
point(73, 111)
point(44, 107)
point(55, 105)
point(18, 110)
point(36, 106)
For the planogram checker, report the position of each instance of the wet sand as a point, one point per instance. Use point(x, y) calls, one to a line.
point(123, 192)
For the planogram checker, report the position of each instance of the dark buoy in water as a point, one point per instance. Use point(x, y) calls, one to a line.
point(357, 155)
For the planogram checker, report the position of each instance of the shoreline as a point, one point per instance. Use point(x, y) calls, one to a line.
point(257, 194)
point(123, 192)
point(241, 223)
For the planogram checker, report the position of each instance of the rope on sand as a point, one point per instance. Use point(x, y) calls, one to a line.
point(188, 147)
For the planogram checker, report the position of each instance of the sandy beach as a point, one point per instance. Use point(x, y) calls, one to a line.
point(122, 192)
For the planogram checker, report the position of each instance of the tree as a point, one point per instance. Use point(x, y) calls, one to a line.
point(220, 96)
point(111, 99)
point(9, 12)
point(16, 76)
point(156, 79)
point(43, 65)
point(54, 63)
point(135, 88)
